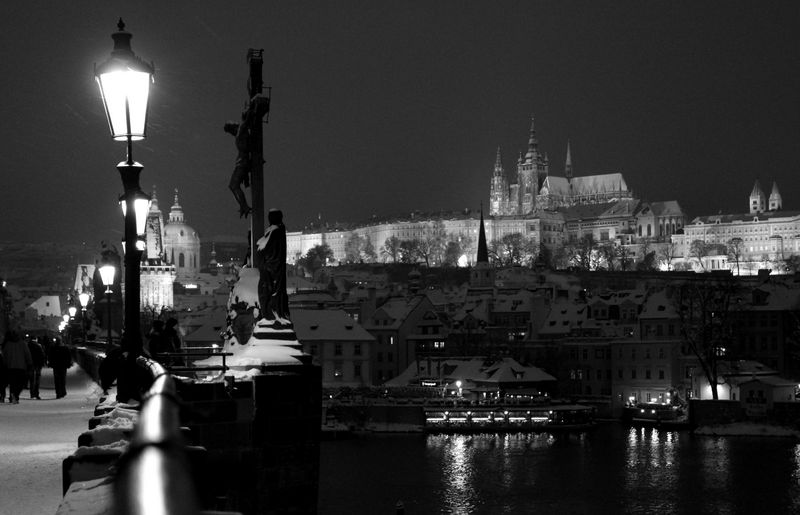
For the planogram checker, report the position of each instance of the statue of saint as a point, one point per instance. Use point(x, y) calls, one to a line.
point(272, 297)
point(256, 109)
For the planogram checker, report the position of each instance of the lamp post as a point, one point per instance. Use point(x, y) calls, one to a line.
point(83, 298)
point(124, 81)
point(107, 273)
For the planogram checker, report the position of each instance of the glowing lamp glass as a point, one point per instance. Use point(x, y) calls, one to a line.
point(84, 299)
point(141, 207)
point(72, 310)
point(125, 93)
point(107, 273)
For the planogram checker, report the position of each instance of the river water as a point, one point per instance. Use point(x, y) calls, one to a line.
point(613, 469)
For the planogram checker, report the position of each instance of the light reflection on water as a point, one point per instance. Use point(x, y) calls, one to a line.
point(613, 469)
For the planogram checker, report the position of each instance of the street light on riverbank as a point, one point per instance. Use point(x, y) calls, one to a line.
point(124, 81)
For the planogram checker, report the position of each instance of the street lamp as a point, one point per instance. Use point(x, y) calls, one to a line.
point(124, 80)
point(83, 298)
point(107, 273)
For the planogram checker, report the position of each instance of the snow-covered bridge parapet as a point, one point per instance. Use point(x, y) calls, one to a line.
point(150, 456)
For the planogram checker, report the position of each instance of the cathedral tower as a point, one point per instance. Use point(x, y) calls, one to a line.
point(498, 192)
point(775, 200)
point(757, 200)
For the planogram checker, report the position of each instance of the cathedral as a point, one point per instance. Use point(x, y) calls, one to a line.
point(536, 190)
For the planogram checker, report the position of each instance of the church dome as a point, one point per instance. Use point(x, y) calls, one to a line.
point(176, 230)
point(181, 244)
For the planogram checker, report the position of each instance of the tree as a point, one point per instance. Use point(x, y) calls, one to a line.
point(648, 263)
point(699, 250)
point(514, 249)
point(408, 251)
point(391, 248)
point(706, 314)
point(624, 257)
point(735, 249)
point(358, 249)
point(316, 257)
point(667, 253)
point(581, 252)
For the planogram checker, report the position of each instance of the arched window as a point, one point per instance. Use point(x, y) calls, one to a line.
point(649, 230)
point(181, 260)
point(640, 230)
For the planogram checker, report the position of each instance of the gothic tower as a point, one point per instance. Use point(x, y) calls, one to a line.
point(531, 172)
point(757, 200)
point(775, 200)
point(155, 228)
point(498, 192)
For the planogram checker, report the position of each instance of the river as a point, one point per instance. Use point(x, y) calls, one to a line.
point(613, 469)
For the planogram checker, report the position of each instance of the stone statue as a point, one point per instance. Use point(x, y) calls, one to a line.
point(257, 107)
point(272, 297)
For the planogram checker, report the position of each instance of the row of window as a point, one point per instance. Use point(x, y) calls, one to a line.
point(579, 374)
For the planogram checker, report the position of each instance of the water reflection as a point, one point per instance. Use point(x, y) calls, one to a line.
point(614, 469)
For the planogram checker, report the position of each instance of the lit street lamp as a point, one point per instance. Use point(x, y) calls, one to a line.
point(83, 298)
point(107, 273)
point(124, 81)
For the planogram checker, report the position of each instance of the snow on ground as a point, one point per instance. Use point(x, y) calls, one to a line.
point(35, 436)
point(746, 429)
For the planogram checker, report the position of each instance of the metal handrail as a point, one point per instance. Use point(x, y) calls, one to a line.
point(154, 477)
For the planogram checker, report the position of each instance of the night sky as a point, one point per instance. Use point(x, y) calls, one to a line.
point(382, 107)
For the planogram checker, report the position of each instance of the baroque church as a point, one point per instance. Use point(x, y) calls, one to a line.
point(535, 189)
point(173, 255)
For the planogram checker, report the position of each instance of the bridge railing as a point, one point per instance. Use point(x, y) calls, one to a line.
point(154, 477)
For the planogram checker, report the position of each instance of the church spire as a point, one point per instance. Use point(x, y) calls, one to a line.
point(775, 200)
point(498, 163)
point(533, 143)
point(568, 164)
point(483, 249)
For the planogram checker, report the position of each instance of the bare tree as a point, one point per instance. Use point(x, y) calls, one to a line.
point(699, 250)
point(391, 248)
point(706, 309)
point(667, 253)
point(735, 251)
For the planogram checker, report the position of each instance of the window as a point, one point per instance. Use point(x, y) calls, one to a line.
point(647, 374)
point(661, 351)
point(337, 370)
point(390, 356)
point(391, 340)
point(633, 373)
point(379, 357)
point(599, 375)
point(357, 349)
point(357, 370)
point(337, 349)
point(661, 374)
point(585, 354)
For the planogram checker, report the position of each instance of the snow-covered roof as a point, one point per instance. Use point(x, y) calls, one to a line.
point(327, 325)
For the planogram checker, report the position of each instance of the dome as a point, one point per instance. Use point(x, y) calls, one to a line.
point(176, 230)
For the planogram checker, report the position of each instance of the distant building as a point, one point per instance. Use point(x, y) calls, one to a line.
point(761, 238)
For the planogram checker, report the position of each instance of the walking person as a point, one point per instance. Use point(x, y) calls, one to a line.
point(59, 359)
point(35, 376)
point(3, 377)
point(18, 363)
point(173, 340)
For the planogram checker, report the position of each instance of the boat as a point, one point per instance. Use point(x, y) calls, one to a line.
point(656, 414)
point(488, 419)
